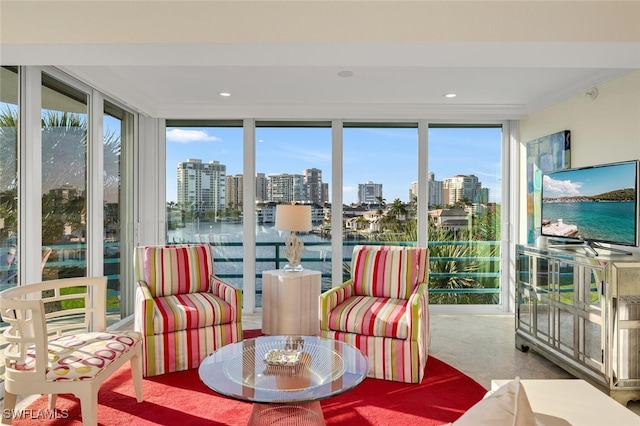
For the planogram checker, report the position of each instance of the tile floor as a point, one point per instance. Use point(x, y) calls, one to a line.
point(482, 347)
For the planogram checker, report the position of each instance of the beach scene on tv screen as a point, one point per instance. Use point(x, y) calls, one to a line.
point(594, 204)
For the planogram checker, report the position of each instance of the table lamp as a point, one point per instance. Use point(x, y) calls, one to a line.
point(294, 218)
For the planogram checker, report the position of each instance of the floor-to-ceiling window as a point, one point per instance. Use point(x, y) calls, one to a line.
point(117, 130)
point(465, 206)
point(49, 141)
point(9, 89)
point(293, 165)
point(64, 179)
point(53, 155)
point(204, 181)
point(380, 172)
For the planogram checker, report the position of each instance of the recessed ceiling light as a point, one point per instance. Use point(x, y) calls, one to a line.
point(450, 95)
point(224, 94)
point(345, 74)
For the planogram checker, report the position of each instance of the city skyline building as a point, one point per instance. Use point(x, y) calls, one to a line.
point(452, 190)
point(286, 188)
point(261, 187)
point(436, 192)
point(325, 192)
point(369, 192)
point(204, 187)
point(313, 186)
point(413, 190)
point(461, 187)
point(234, 191)
point(201, 186)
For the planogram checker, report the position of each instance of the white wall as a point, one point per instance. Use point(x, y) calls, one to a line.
point(32, 22)
point(603, 130)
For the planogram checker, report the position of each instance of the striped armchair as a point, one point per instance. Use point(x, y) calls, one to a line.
point(383, 310)
point(183, 311)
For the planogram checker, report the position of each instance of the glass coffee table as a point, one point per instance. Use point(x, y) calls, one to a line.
point(284, 377)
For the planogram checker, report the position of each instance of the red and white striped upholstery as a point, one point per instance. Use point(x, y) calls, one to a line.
point(177, 269)
point(183, 311)
point(383, 310)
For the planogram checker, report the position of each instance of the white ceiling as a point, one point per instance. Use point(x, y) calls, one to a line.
point(281, 59)
point(389, 81)
point(393, 81)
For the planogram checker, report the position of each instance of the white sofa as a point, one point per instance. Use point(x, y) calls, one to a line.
point(565, 402)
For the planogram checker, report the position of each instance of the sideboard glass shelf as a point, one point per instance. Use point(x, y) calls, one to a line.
point(583, 313)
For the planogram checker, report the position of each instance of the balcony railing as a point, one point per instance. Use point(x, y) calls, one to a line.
point(70, 260)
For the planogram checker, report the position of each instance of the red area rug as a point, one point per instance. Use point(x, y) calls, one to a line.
point(181, 398)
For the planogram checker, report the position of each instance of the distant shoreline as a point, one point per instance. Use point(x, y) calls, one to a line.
point(584, 200)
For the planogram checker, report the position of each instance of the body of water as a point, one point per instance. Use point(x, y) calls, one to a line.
point(604, 221)
point(229, 258)
point(226, 232)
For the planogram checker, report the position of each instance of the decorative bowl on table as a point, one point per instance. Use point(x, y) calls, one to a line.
point(282, 357)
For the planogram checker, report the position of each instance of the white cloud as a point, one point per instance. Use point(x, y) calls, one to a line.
point(348, 190)
point(554, 188)
point(187, 136)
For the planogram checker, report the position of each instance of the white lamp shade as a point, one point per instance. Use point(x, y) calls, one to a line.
point(293, 217)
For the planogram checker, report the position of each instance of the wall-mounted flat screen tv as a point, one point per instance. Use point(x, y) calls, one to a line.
point(593, 204)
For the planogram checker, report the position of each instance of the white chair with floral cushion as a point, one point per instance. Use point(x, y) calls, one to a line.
point(58, 343)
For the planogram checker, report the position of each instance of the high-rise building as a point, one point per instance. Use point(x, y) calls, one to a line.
point(261, 188)
point(413, 191)
point(202, 186)
point(234, 192)
point(369, 192)
point(285, 188)
point(435, 192)
point(436, 195)
point(313, 185)
point(461, 187)
point(325, 193)
point(483, 196)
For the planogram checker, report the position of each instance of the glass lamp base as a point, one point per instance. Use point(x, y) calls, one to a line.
point(289, 268)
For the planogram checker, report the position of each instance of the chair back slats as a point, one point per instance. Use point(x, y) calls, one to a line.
point(27, 328)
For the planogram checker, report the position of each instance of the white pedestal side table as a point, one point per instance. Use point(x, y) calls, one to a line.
point(290, 302)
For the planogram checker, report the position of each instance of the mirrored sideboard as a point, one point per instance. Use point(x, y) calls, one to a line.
point(582, 312)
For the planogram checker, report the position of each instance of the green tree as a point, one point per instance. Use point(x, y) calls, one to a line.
point(362, 223)
point(455, 261)
point(398, 210)
point(8, 172)
point(64, 153)
point(381, 204)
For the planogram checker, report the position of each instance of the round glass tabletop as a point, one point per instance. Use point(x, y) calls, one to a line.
point(284, 369)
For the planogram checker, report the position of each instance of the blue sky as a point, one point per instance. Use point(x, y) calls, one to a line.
point(589, 181)
point(381, 155)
